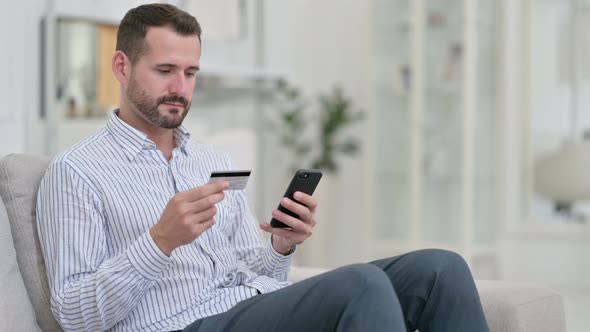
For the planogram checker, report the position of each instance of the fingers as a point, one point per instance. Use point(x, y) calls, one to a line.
point(200, 198)
point(207, 202)
point(305, 213)
point(298, 229)
point(295, 224)
point(205, 215)
point(301, 210)
point(199, 228)
point(187, 215)
point(290, 234)
point(305, 199)
point(207, 189)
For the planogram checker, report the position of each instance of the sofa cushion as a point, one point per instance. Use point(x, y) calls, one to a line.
point(15, 307)
point(513, 307)
point(20, 175)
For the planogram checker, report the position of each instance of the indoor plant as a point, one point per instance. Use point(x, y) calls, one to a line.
point(313, 133)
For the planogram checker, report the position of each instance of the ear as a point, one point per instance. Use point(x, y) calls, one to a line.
point(121, 67)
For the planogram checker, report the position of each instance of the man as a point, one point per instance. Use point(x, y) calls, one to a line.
point(134, 239)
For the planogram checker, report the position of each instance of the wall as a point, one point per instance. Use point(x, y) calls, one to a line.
point(19, 86)
point(550, 89)
point(551, 60)
point(320, 44)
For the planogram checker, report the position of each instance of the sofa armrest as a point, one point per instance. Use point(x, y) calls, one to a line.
point(514, 307)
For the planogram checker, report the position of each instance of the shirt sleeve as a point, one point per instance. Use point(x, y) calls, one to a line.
point(89, 290)
point(262, 259)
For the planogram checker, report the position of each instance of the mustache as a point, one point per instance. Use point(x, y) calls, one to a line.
point(173, 99)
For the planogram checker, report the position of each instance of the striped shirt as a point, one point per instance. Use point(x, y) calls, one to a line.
point(96, 205)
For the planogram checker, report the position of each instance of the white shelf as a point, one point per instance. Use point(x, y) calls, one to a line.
point(241, 72)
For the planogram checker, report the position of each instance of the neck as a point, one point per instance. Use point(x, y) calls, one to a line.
point(162, 137)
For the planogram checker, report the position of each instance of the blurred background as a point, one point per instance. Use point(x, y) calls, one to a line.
point(456, 124)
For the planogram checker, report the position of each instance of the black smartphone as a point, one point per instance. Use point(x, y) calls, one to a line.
point(304, 180)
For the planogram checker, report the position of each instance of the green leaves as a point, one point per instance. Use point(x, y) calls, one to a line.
point(331, 115)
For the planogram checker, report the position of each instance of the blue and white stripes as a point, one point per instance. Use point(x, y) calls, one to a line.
point(95, 207)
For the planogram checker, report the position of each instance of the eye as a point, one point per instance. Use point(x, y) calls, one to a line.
point(190, 74)
point(164, 71)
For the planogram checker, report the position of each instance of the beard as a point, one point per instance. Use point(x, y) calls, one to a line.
point(148, 106)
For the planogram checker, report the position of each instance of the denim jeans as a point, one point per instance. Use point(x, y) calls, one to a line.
point(427, 290)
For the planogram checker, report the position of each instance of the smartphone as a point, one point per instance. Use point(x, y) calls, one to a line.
point(304, 180)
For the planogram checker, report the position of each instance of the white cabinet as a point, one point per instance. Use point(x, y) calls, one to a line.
point(435, 126)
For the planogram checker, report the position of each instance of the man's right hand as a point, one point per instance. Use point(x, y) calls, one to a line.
point(187, 215)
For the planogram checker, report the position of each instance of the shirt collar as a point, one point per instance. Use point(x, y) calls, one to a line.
point(133, 141)
point(181, 138)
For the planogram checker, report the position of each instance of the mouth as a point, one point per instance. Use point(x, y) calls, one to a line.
point(174, 104)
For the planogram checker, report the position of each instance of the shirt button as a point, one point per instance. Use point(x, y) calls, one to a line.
point(229, 279)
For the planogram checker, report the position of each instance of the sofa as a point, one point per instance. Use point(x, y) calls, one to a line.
point(24, 292)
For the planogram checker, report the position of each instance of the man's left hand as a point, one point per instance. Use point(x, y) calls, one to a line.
point(283, 239)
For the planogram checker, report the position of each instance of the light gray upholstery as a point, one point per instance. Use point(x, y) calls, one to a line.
point(16, 311)
point(508, 307)
point(516, 307)
point(20, 175)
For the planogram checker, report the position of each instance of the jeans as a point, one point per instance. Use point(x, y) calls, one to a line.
point(427, 290)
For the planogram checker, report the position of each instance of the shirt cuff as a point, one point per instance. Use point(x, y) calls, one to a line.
point(275, 262)
point(146, 257)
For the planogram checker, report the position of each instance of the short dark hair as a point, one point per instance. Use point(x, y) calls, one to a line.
point(135, 24)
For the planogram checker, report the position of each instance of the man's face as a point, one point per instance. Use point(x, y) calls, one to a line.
point(162, 81)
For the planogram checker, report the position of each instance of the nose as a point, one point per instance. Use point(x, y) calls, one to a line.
point(178, 85)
